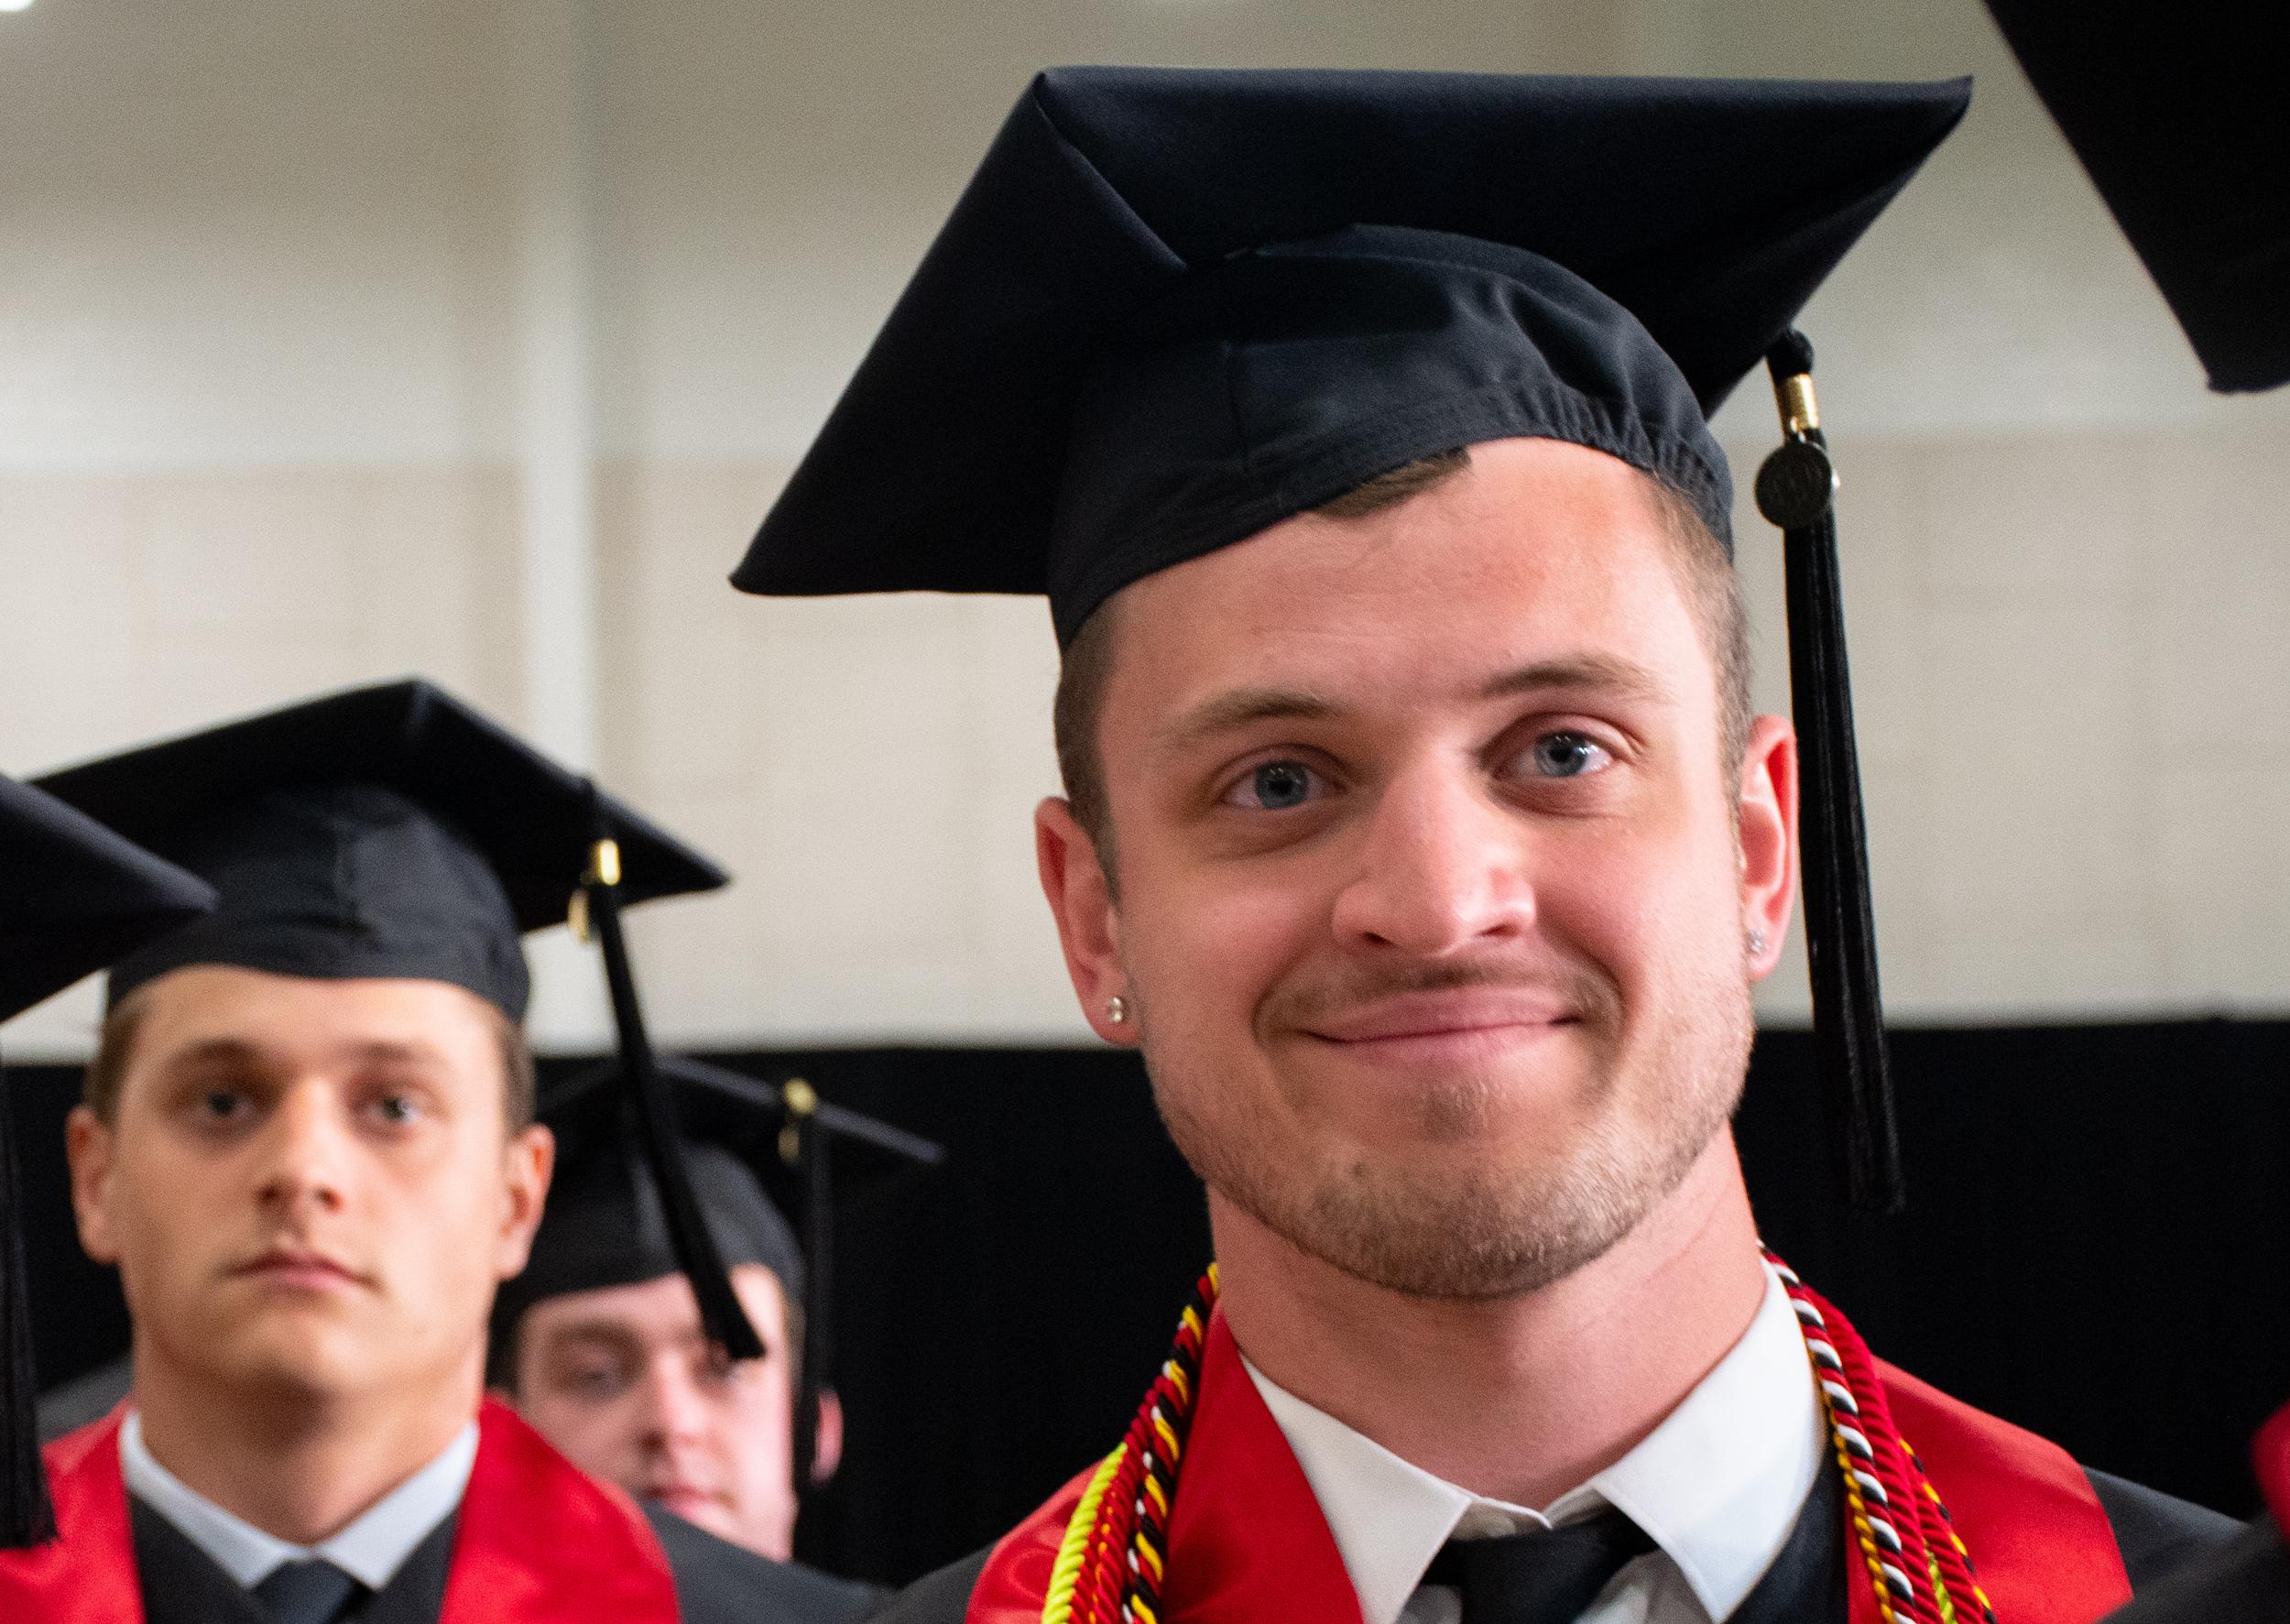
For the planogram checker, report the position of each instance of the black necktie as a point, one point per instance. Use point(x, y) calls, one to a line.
point(312, 1591)
point(1545, 1576)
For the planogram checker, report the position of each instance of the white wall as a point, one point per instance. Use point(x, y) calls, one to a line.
point(267, 424)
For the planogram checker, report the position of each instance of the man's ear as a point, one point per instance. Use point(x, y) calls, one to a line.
point(1767, 812)
point(827, 1439)
point(88, 1146)
point(525, 1167)
point(1081, 900)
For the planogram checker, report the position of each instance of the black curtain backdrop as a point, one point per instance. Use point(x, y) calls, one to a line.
point(2096, 1247)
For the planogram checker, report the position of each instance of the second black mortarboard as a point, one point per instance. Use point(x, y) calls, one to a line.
point(389, 831)
point(1174, 308)
point(73, 896)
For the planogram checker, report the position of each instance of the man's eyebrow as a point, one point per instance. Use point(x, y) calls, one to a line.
point(1600, 671)
point(236, 1052)
point(1243, 707)
point(594, 1329)
point(240, 1052)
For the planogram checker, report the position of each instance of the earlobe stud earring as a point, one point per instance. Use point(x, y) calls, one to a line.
point(1757, 942)
point(1117, 1009)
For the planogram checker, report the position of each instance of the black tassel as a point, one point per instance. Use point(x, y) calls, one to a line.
point(654, 1114)
point(809, 1141)
point(25, 1516)
point(1796, 490)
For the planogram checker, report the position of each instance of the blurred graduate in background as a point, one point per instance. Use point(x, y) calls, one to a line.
point(600, 1344)
point(307, 1142)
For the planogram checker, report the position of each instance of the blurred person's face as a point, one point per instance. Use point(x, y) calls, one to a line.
point(309, 1186)
point(623, 1381)
point(1433, 885)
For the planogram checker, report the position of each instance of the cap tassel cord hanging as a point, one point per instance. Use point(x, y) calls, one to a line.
point(596, 911)
point(1796, 491)
point(25, 1516)
point(803, 1146)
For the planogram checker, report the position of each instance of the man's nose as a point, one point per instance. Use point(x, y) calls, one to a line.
point(1443, 867)
point(674, 1412)
point(305, 1149)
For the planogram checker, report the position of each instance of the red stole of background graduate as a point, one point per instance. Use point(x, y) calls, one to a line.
point(536, 1539)
point(1247, 1542)
point(2271, 1455)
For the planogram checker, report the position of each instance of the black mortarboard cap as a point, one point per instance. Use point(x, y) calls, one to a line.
point(384, 831)
point(73, 896)
point(2181, 119)
point(392, 831)
point(756, 1150)
point(1175, 307)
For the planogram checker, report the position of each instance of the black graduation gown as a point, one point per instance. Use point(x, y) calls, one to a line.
point(2157, 1533)
point(716, 1582)
point(2246, 1580)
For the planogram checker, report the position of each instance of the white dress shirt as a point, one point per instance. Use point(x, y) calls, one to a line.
point(371, 1550)
point(1718, 1486)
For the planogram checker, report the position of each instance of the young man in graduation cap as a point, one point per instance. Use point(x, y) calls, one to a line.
point(308, 1144)
point(1419, 832)
point(74, 897)
point(600, 1344)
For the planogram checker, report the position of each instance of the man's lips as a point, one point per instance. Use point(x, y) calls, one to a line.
point(682, 1497)
point(293, 1267)
point(1465, 1014)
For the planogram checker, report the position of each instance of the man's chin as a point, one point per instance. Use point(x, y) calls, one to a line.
point(704, 1511)
point(292, 1362)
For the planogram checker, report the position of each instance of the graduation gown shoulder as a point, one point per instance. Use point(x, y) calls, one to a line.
point(535, 1540)
point(2247, 1580)
point(720, 1582)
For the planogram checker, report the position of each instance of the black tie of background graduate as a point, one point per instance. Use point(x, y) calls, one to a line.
point(755, 1150)
point(394, 832)
point(1173, 308)
point(2182, 120)
point(74, 897)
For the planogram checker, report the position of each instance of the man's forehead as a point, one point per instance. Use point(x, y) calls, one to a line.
point(1528, 532)
point(663, 1309)
point(220, 1008)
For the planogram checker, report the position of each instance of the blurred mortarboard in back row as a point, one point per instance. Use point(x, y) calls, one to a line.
point(1174, 308)
point(73, 896)
point(394, 832)
point(2180, 115)
point(757, 1151)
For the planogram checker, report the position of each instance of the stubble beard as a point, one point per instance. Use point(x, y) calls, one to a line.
point(1460, 1228)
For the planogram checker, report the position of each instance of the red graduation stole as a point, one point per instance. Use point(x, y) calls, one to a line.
point(536, 1539)
point(2271, 1455)
point(1247, 1544)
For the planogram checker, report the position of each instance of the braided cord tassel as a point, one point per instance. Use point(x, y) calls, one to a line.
point(1120, 1543)
point(1908, 1544)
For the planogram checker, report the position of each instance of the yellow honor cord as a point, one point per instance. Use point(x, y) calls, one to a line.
point(1057, 1606)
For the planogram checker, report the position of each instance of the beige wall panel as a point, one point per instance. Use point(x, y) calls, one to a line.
point(142, 605)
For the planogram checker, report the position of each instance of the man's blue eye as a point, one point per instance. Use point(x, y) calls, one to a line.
point(1278, 785)
point(1566, 755)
